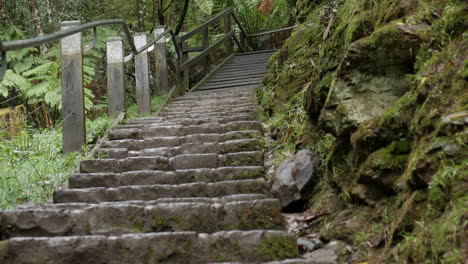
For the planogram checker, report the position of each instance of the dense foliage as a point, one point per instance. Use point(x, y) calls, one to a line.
point(377, 89)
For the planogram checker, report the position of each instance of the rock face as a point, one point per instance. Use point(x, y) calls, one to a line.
point(294, 179)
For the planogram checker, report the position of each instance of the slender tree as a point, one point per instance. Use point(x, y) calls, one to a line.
point(50, 22)
point(3, 15)
point(157, 13)
point(141, 15)
point(183, 14)
point(37, 23)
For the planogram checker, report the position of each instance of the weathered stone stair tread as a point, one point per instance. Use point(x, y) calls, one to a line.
point(153, 192)
point(179, 162)
point(166, 247)
point(163, 185)
point(151, 177)
point(182, 130)
point(159, 142)
point(286, 261)
point(124, 218)
point(187, 121)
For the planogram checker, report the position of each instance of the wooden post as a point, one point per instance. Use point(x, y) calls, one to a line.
point(186, 72)
point(115, 76)
point(265, 42)
point(74, 129)
point(243, 41)
point(179, 72)
point(227, 29)
point(141, 75)
point(160, 58)
point(206, 44)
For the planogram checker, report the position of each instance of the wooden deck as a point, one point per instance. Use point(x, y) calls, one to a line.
point(242, 70)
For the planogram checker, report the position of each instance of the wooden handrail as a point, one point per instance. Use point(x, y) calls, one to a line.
point(207, 51)
point(208, 23)
point(271, 32)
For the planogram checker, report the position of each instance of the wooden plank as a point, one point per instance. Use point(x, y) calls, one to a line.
point(205, 53)
point(236, 75)
point(227, 82)
point(256, 70)
point(202, 82)
point(232, 84)
point(234, 78)
point(208, 23)
point(256, 52)
point(216, 88)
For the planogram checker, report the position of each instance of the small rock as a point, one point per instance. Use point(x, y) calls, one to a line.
point(294, 179)
point(308, 244)
point(323, 256)
point(339, 247)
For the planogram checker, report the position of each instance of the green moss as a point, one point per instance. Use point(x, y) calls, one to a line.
point(278, 248)
point(253, 218)
point(3, 249)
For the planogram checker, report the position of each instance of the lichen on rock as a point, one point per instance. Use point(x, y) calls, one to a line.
point(374, 98)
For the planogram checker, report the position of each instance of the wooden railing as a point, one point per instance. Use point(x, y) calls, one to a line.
point(72, 50)
point(227, 17)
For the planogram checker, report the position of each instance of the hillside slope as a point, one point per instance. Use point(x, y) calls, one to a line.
point(377, 89)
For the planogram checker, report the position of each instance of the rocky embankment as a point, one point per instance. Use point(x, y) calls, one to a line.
point(377, 90)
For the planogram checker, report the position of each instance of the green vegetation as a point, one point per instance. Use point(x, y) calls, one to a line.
point(32, 165)
point(373, 97)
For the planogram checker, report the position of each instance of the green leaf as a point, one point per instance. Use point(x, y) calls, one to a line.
point(205, 5)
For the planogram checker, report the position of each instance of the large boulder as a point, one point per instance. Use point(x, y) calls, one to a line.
point(294, 180)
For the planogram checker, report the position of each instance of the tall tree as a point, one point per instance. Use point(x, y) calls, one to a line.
point(50, 22)
point(3, 15)
point(157, 8)
point(141, 15)
point(180, 24)
point(37, 23)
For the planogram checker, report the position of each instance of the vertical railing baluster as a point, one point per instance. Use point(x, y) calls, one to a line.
point(143, 96)
point(186, 71)
point(160, 59)
point(227, 30)
point(115, 76)
point(73, 115)
point(206, 44)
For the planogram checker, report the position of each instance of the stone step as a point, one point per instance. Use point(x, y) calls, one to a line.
point(180, 162)
point(160, 142)
point(197, 107)
point(216, 101)
point(226, 111)
point(159, 130)
point(211, 200)
point(221, 114)
point(189, 148)
point(167, 247)
point(153, 192)
point(121, 218)
point(187, 121)
point(191, 97)
point(151, 177)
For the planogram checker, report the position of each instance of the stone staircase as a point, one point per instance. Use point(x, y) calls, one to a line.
point(186, 186)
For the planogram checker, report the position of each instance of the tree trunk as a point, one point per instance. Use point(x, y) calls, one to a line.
point(157, 13)
point(141, 15)
point(180, 24)
point(50, 22)
point(37, 23)
point(3, 15)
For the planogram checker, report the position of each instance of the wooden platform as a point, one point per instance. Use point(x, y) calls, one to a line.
point(245, 69)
